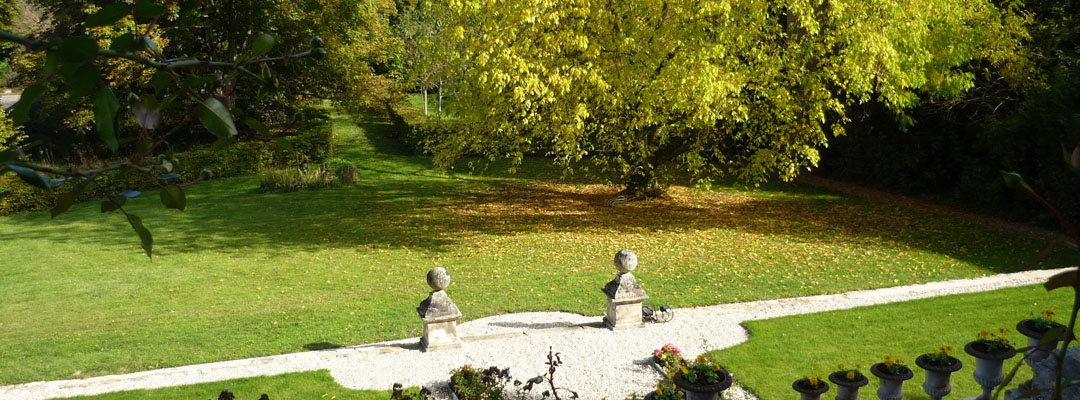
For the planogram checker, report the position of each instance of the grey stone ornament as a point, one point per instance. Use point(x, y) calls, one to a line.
point(438, 278)
point(624, 294)
point(439, 314)
point(625, 261)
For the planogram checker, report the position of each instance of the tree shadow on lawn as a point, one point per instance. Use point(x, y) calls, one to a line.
point(434, 215)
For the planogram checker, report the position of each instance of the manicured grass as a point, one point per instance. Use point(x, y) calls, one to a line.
point(300, 386)
point(241, 274)
point(782, 350)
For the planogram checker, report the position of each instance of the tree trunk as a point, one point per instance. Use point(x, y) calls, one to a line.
point(424, 90)
point(440, 99)
point(642, 186)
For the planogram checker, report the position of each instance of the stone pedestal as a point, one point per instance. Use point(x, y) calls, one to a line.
point(624, 295)
point(1045, 377)
point(439, 314)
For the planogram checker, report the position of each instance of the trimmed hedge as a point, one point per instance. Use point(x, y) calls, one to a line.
point(314, 142)
point(414, 128)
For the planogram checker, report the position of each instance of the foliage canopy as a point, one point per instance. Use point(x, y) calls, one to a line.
point(745, 88)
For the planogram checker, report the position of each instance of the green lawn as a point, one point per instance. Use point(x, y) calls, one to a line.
point(241, 274)
point(317, 385)
point(782, 350)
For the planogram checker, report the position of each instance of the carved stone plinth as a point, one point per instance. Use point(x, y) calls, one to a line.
point(439, 314)
point(624, 295)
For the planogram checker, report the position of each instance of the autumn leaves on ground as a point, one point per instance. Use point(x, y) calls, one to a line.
point(240, 274)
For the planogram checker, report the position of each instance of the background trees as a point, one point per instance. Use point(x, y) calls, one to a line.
point(751, 88)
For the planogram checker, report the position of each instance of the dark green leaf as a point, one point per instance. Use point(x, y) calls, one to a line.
point(7, 156)
point(77, 49)
point(63, 203)
point(262, 44)
point(150, 45)
point(173, 197)
point(197, 82)
point(1015, 181)
point(1051, 336)
point(113, 205)
point(223, 143)
point(259, 127)
point(52, 61)
point(169, 176)
point(80, 187)
point(105, 109)
point(108, 15)
point(144, 234)
point(283, 144)
point(81, 81)
point(21, 113)
point(216, 118)
point(161, 80)
point(55, 183)
point(30, 176)
point(125, 42)
point(147, 8)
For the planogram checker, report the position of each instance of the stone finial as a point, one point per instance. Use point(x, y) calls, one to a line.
point(438, 278)
point(625, 261)
point(439, 314)
point(624, 294)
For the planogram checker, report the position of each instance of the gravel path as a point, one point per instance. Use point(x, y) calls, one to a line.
point(597, 362)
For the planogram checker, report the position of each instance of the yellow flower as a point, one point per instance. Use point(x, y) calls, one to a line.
point(820, 376)
point(671, 377)
point(681, 394)
point(701, 359)
point(840, 366)
point(851, 375)
point(899, 360)
point(859, 366)
point(684, 371)
point(716, 368)
point(984, 333)
point(659, 392)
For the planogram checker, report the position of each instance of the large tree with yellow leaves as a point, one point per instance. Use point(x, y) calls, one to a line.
point(746, 88)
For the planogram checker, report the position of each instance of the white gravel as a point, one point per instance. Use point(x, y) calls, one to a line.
point(597, 362)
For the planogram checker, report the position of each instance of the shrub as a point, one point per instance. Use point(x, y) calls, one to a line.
point(312, 143)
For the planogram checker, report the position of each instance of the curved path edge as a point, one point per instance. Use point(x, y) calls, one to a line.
point(597, 362)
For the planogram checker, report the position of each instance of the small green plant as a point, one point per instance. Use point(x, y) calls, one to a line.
point(993, 341)
point(702, 371)
point(667, 392)
point(669, 358)
point(470, 383)
point(895, 366)
point(812, 382)
point(1045, 320)
point(400, 394)
point(853, 374)
point(940, 356)
point(295, 179)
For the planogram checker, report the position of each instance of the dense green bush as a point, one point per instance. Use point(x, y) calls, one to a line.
point(415, 129)
point(312, 144)
point(294, 179)
point(948, 158)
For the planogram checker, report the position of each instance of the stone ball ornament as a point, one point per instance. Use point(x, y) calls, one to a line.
point(625, 261)
point(438, 278)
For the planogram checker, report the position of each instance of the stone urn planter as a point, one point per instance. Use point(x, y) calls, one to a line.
point(891, 385)
point(808, 392)
point(988, 365)
point(1035, 333)
point(847, 389)
point(938, 374)
point(703, 391)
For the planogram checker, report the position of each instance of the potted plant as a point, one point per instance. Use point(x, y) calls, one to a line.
point(1037, 327)
point(664, 392)
point(702, 380)
point(668, 358)
point(810, 388)
point(891, 374)
point(939, 367)
point(848, 382)
point(990, 351)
